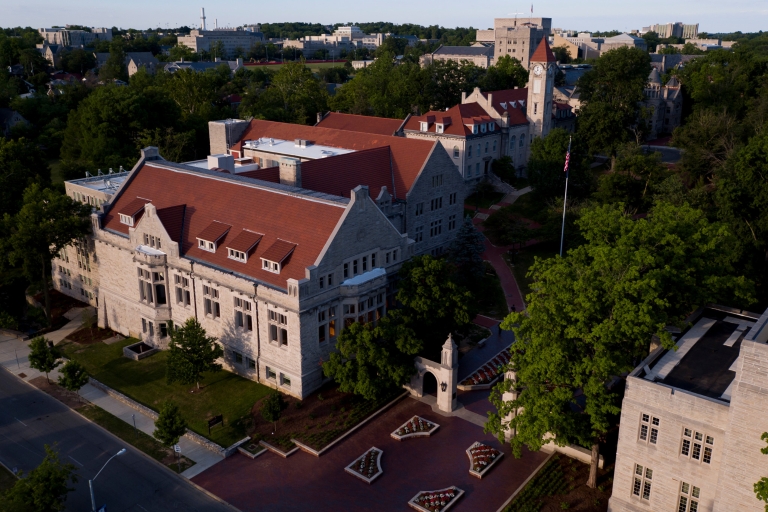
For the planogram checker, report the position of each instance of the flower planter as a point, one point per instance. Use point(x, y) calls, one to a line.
point(481, 458)
point(367, 467)
point(415, 427)
point(436, 501)
point(252, 450)
point(487, 374)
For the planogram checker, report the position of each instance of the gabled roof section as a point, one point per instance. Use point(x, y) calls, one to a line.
point(511, 101)
point(458, 117)
point(307, 221)
point(279, 251)
point(408, 156)
point(173, 221)
point(364, 124)
point(135, 206)
point(214, 231)
point(340, 174)
point(245, 241)
point(543, 52)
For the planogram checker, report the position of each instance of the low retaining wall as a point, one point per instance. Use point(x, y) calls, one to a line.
point(138, 356)
point(192, 436)
point(574, 452)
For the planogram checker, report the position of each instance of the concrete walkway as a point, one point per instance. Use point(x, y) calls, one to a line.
point(14, 357)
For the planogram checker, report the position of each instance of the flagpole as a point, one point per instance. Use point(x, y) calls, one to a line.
point(565, 199)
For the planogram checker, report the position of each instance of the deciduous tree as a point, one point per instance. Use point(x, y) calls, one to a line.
point(191, 353)
point(170, 425)
point(73, 376)
point(546, 165)
point(591, 316)
point(44, 489)
point(466, 252)
point(43, 356)
point(273, 407)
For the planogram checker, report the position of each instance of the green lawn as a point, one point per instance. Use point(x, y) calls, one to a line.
point(490, 296)
point(522, 261)
point(530, 207)
point(7, 480)
point(484, 201)
point(140, 440)
point(221, 393)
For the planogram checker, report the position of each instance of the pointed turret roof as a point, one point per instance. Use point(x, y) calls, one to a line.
point(654, 77)
point(543, 52)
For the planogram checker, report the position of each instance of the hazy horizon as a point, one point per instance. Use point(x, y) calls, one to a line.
point(597, 15)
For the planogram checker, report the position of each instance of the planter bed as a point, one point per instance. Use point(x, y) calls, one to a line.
point(487, 374)
point(436, 501)
point(139, 351)
point(367, 467)
point(251, 450)
point(278, 451)
point(415, 427)
point(481, 458)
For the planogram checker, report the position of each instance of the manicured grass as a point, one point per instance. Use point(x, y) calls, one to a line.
point(484, 201)
point(138, 439)
point(530, 207)
point(489, 294)
point(220, 393)
point(549, 481)
point(524, 258)
point(7, 479)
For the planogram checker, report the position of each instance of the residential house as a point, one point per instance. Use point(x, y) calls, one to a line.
point(51, 52)
point(133, 61)
point(8, 119)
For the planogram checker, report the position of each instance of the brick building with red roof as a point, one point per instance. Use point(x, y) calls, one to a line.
point(273, 271)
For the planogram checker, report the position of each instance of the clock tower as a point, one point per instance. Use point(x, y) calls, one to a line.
point(541, 84)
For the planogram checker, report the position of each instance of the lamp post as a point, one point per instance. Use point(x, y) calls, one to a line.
point(90, 482)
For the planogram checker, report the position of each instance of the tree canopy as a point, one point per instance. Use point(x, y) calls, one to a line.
point(170, 425)
point(546, 166)
point(43, 356)
point(44, 489)
point(591, 316)
point(191, 353)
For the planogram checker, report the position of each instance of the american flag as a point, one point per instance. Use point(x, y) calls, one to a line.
point(567, 159)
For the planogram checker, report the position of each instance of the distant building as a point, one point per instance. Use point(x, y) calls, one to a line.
point(692, 419)
point(581, 46)
point(234, 40)
point(81, 38)
point(622, 40)
point(677, 29)
point(479, 54)
point(665, 102)
point(516, 37)
point(8, 119)
point(51, 52)
point(233, 65)
point(360, 64)
point(133, 61)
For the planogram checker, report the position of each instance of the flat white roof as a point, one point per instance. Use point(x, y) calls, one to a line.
point(108, 183)
point(364, 278)
point(291, 148)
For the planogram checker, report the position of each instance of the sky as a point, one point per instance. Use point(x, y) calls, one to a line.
point(592, 15)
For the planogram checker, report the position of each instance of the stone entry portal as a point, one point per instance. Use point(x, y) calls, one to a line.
point(445, 372)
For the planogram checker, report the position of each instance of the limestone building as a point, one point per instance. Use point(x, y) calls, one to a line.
point(77, 38)
point(479, 54)
point(691, 419)
point(232, 40)
point(273, 271)
point(516, 37)
point(665, 102)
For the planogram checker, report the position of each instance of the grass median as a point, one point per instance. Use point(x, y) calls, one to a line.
point(144, 381)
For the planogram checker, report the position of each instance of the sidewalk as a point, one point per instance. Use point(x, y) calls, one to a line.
point(14, 357)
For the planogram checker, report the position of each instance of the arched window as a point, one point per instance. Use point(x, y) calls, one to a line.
point(522, 141)
point(455, 151)
point(512, 141)
point(494, 146)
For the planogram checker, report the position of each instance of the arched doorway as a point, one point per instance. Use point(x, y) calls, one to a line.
point(430, 384)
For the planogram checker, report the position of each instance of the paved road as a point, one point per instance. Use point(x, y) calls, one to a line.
point(30, 418)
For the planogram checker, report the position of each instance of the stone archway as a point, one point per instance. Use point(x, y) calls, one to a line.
point(429, 384)
point(444, 373)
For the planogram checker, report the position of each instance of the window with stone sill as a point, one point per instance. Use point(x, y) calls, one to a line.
point(641, 485)
point(183, 296)
point(697, 446)
point(688, 501)
point(278, 332)
point(211, 302)
point(649, 429)
point(243, 317)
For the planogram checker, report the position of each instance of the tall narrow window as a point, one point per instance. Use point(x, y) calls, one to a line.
point(641, 486)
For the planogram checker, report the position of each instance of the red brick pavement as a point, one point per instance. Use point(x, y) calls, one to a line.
point(304, 482)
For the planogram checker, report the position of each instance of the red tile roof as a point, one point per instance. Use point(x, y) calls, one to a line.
point(460, 116)
point(214, 231)
point(408, 156)
point(307, 222)
point(543, 53)
point(509, 101)
point(333, 175)
point(365, 124)
point(279, 250)
point(134, 207)
point(271, 174)
point(245, 241)
point(173, 220)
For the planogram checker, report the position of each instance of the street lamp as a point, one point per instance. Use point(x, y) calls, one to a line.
point(90, 482)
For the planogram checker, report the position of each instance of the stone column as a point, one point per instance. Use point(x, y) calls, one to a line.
point(449, 364)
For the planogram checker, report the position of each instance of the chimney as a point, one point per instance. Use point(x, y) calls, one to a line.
point(290, 171)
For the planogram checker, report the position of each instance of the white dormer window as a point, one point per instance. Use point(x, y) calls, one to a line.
point(512, 104)
point(270, 266)
point(491, 127)
point(237, 255)
point(439, 127)
point(126, 219)
point(504, 105)
point(206, 245)
point(423, 126)
point(482, 128)
point(474, 129)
